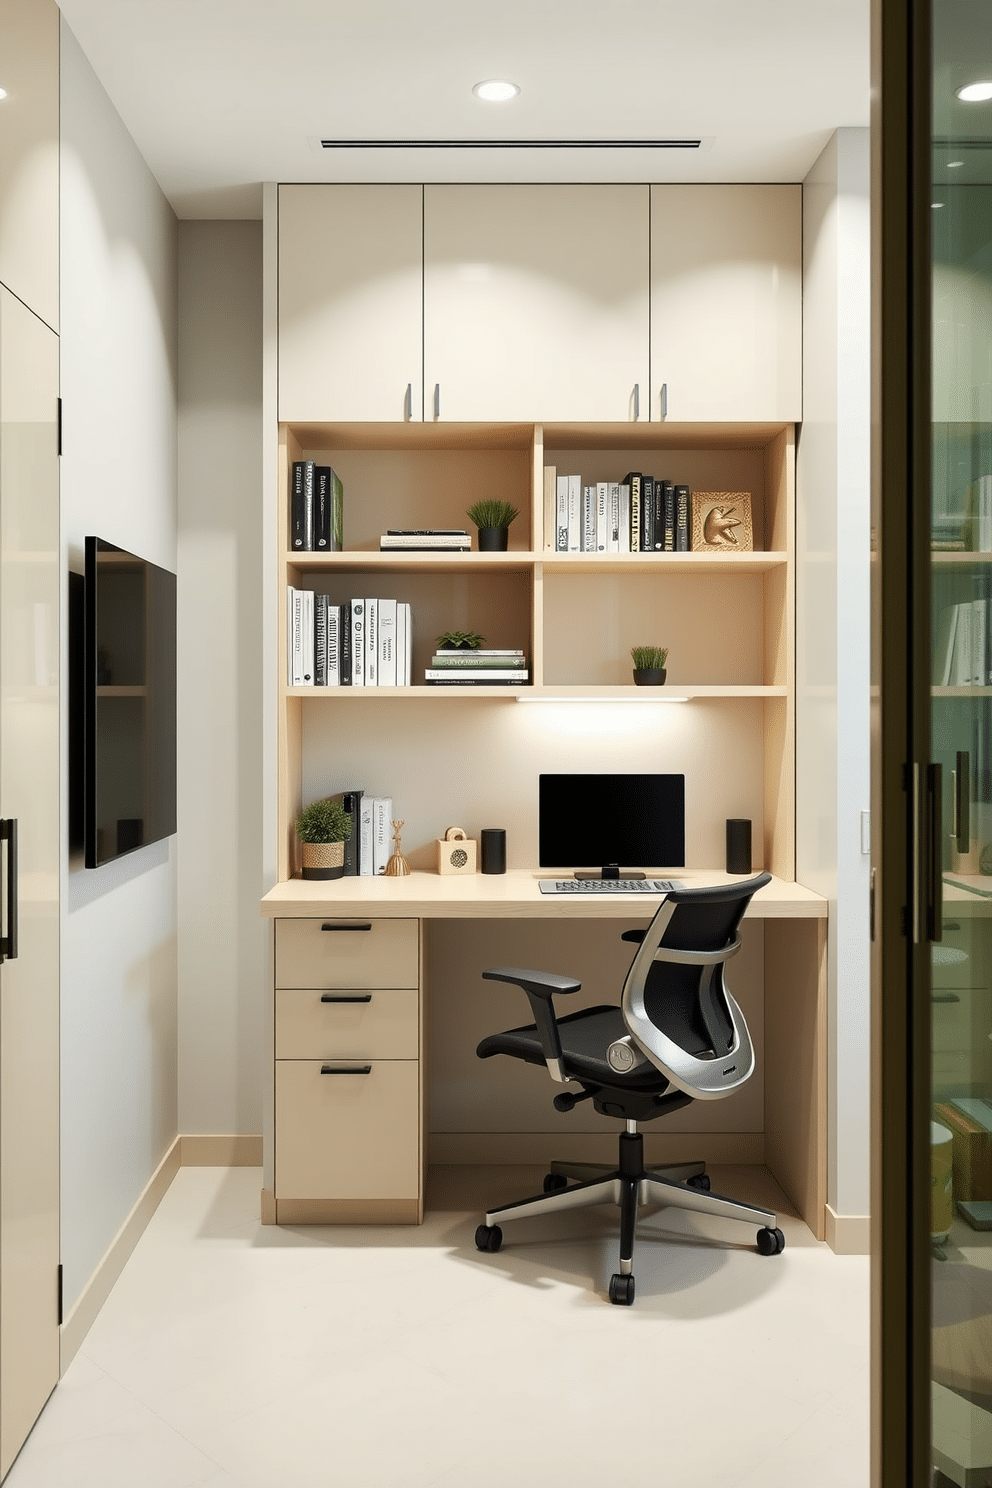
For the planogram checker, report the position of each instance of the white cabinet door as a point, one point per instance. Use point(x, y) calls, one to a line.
point(350, 303)
point(29, 154)
point(726, 302)
point(535, 302)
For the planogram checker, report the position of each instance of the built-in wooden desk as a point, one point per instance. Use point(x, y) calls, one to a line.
point(334, 1151)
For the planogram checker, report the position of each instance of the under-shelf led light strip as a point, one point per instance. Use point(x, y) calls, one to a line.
point(602, 702)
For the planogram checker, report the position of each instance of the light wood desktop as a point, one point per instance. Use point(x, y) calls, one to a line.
point(794, 923)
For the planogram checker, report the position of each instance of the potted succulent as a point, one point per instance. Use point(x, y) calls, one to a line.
point(460, 640)
point(323, 827)
point(493, 520)
point(649, 665)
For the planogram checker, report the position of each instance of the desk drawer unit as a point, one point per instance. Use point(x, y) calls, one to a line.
point(348, 1123)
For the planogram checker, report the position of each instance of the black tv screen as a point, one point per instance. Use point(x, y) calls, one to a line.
point(589, 821)
point(129, 748)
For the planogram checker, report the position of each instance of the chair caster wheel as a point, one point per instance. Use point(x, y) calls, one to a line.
point(488, 1237)
point(700, 1181)
point(553, 1182)
point(770, 1242)
point(621, 1290)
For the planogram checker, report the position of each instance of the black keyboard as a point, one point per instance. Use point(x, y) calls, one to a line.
point(609, 885)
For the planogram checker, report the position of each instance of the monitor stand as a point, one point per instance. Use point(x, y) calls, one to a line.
point(609, 870)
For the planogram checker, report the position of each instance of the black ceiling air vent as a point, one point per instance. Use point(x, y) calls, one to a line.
point(510, 144)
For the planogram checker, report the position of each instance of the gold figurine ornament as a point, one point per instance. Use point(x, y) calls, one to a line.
point(397, 867)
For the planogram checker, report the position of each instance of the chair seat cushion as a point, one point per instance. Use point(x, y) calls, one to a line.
point(585, 1038)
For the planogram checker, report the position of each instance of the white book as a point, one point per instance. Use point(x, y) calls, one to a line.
point(402, 680)
point(575, 513)
point(588, 519)
point(943, 650)
point(387, 643)
point(371, 642)
point(984, 503)
point(962, 647)
point(292, 637)
point(602, 516)
point(561, 514)
point(306, 642)
point(357, 642)
point(625, 519)
point(407, 654)
point(614, 507)
point(365, 819)
point(333, 645)
point(382, 833)
point(550, 506)
point(979, 642)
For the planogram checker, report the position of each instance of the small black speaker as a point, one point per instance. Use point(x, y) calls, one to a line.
point(738, 845)
point(493, 850)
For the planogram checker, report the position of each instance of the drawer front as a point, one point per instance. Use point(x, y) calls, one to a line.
point(347, 1136)
point(315, 1024)
point(349, 953)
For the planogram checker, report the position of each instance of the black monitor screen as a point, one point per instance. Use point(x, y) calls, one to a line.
point(129, 703)
point(588, 821)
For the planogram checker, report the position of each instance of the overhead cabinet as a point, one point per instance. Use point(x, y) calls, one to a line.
point(525, 303)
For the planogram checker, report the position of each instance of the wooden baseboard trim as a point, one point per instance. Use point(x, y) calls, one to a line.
point(96, 1291)
point(488, 1149)
point(847, 1234)
point(205, 1150)
point(347, 1211)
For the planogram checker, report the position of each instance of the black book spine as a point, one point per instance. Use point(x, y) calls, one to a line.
point(668, 502)
point(322, 509)
point(297, 509)
point(344, 644)
point(351, 800)
point(308, 470)
point(681, 519)
point(649, 515)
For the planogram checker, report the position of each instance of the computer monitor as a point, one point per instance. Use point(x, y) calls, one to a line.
point(612, 823)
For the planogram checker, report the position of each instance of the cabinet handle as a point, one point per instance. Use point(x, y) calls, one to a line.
point(8, 942)
point(408, 403)
point(437, 400)
point(349, 1069)
point(934, 854)
point(331, 997)
point(961, 795)
point(366, 926)
point(637, 400)
point(664, 400)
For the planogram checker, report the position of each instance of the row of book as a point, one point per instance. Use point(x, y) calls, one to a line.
point(369, 847)
point(640, 514)
point(425, 540)
point(477, 669)
point(360, 643)
point(316, 509)
point(962, 655)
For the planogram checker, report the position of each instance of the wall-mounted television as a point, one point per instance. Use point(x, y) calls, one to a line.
point(129, 703)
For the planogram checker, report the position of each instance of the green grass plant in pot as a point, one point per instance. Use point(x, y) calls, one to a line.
point(323, 827)
point(649, 665)
point(493, 520)
point(459, 640)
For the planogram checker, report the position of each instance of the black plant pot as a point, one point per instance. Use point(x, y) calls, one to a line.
point(493, 539)
point(649, 676)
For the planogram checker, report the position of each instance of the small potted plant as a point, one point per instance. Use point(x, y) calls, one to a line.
point(493, 520)
point(649, 665)
point(459, 640)
point(323, 827)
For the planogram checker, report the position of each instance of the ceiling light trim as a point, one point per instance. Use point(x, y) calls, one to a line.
point(513, 144)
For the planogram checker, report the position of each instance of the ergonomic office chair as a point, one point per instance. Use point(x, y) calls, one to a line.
point(678, 1036)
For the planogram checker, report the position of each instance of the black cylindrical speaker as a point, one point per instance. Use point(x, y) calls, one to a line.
point(493, 850)
point(738, 845)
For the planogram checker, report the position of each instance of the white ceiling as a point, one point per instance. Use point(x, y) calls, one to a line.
point(220, 95)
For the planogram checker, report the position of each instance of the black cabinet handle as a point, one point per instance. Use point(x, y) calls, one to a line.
point(333, 997)
point(8, 942)
point(350, 1069)
point(366, 926)
point(933, 860)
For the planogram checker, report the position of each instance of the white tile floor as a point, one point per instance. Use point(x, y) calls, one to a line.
point(235, 1356)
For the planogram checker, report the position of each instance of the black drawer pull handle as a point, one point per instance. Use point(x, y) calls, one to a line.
point(332, 997)
point(8, 942)
point(367, 926)
point(351, 1069)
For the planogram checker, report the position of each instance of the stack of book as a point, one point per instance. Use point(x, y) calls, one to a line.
point(369, 847)
point(640, 514)
point(316, 512)
point(425, 540)
point(476, 669)
point(962, 654)
point(361, 643)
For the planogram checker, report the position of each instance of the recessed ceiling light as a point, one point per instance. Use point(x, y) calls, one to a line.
point(497, 90)
point(955, 164)
point(935, 205)
point(3, 94)
point(975, 92)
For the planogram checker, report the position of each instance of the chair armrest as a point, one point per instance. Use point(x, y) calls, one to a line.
point(540, 987)
point(635, 935)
